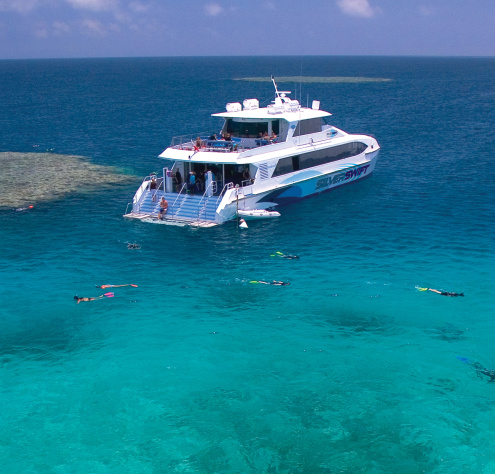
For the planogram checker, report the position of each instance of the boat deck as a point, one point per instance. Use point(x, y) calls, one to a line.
point(234, 145)
point(186, 209)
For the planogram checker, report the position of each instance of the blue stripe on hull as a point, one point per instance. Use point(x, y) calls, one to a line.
point(316, 185)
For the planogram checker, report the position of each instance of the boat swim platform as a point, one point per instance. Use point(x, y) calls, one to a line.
point(186, 209)
point(153, 219)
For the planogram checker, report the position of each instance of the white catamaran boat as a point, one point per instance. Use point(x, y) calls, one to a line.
point(261, 159)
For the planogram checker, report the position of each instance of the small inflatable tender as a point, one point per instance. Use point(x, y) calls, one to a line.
point(257, 214)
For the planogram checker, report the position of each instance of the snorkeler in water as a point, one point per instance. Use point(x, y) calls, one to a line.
point(443, 293)
point(289, 257)
point(106, 295)
point(133, 246)
point(274, 282)
point(480, 370)
point(115, 286)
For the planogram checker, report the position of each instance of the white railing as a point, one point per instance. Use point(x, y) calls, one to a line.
point(213, 186)
point(178, 195)
point(224, 190)
point(234, 145)
point(265, 149)
point(138, 197)
point(190, 139)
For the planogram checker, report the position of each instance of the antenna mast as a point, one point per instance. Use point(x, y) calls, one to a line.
point(278, 94)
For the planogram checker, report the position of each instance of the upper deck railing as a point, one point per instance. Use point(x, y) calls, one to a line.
point(253, 146)
point(203, 142)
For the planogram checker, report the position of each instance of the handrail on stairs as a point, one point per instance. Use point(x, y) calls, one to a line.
point(160, 183)
point(225, 188)
point(213, 185)
point(180, 192)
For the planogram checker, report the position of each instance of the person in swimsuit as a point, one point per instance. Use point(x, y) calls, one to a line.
point(274, 282)
point(79, 299)
point(163, 208)
point(480, 369)
point(444, 293)
point(289, 257)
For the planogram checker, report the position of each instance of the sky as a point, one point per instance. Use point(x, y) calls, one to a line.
point(130, 28)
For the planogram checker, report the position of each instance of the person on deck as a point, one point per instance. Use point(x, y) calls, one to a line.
point(153, 188)
point(163, 208)
point(178, 180)
point(192, 183)
point(153, 183)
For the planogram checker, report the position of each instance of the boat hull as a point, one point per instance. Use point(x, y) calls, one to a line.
point(302, 188)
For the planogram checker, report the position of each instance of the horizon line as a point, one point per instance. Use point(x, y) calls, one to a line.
point(418, 56)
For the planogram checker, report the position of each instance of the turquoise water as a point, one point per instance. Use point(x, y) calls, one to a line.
point(348, 369)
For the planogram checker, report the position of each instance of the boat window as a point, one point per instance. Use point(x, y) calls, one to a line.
point(326, 121)
point(246, 129)
point(250, 129)
point(304, 127)
point(319, 157)
point(285, 165)
point(295, 163)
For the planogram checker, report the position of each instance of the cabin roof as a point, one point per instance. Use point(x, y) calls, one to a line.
point(263, 114)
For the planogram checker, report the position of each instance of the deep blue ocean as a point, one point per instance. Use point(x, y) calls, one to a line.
point(349, 369)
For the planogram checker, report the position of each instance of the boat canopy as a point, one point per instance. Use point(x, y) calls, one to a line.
point(264, 114)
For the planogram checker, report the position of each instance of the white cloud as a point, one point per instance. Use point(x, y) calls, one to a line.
point(60, 28)
point(122, 17)
point(360, 8)
point(213, 9)
point(19, 6)
point(94, 5)
point(139, 7)
point(94, 26)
